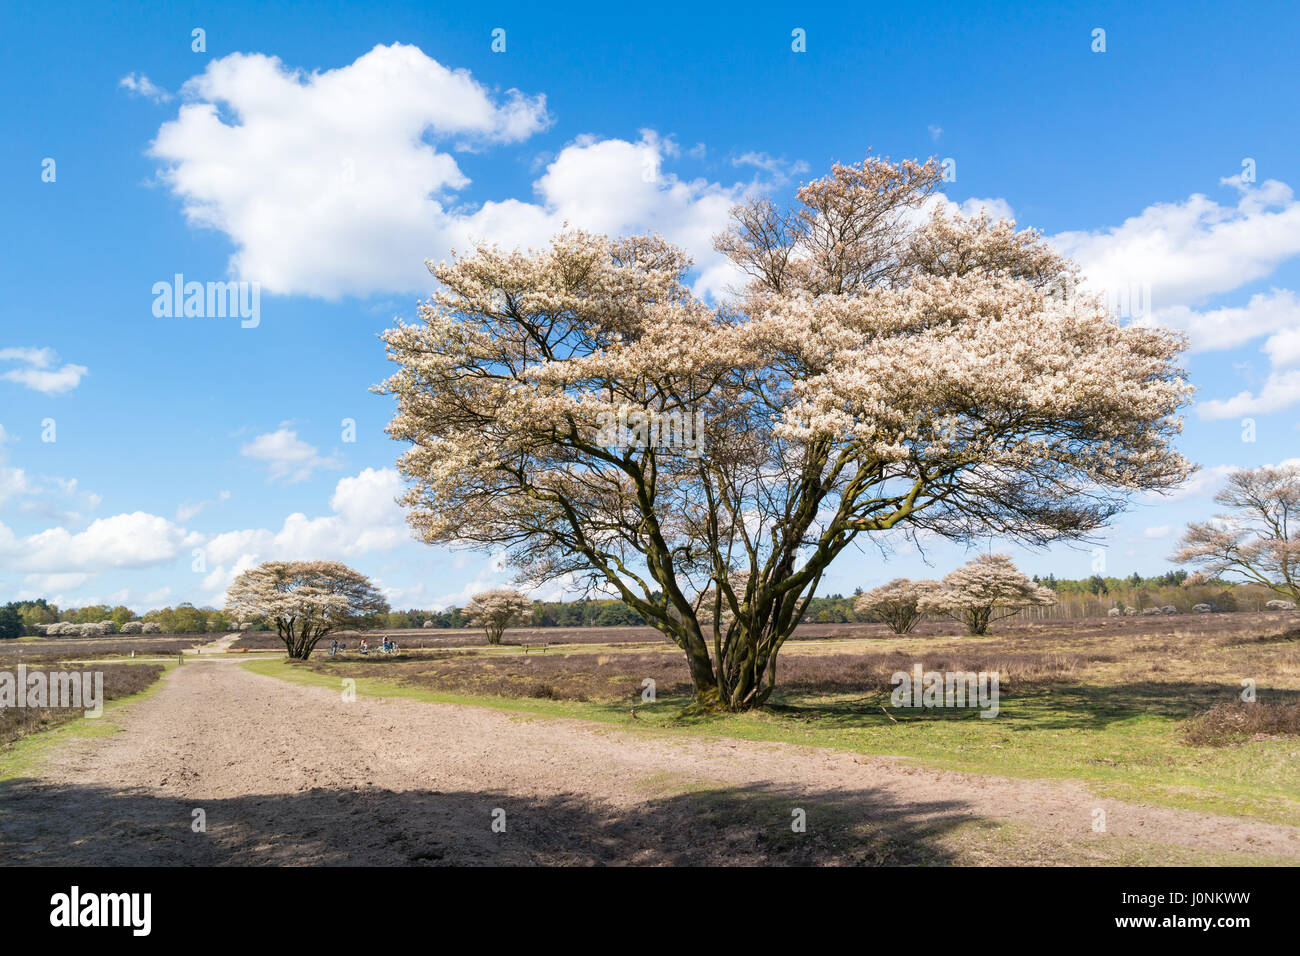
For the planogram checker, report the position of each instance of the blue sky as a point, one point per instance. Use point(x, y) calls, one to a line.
point(325, 153)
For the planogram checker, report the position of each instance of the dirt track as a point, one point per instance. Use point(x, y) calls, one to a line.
point(291, 774)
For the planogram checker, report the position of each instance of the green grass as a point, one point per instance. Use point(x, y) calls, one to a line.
point(1109, 738)
point(25, 756)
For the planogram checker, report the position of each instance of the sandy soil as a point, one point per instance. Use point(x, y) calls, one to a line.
point(291, 774)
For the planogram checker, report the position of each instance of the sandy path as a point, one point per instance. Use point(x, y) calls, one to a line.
point(287, 773)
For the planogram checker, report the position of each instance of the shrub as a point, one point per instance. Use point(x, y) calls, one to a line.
point(895, 604)
point(494, 611)
point(988, 589)
point(151, 627)
point(1234, 721)
point(131, 627)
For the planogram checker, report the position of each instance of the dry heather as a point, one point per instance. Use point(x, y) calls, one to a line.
point(619, 675)
point(120, 680)
point(1232, 722)
point(52, 650)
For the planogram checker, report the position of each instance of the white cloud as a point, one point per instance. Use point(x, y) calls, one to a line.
point(130, 540)
point(1205, 481)
point(286, 455)
point(1187, 251)
point(47, 583)
point(36, 371)
point(1281, 390)
point(616, 187)
point(188, 509)
point(331, 183)
point(779, 170)
point(995, 207)
point(365, 518)
point(41, 358)
point(13, 481)
point(143, 86)
point(1231, 327)
point(1283, 348)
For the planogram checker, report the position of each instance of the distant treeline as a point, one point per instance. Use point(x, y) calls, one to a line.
point(1096, 595)
point(1082, 597)
point(183, 619)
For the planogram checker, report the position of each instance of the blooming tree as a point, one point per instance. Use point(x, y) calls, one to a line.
point(986, 590)
point(880, 371)
point(305, 600)
point(895, 603)
point(494, 611)
point(1259, 538)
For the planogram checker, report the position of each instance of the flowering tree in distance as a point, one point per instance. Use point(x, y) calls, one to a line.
point(877, 372)
point(494, 611)
point(988, 589)
point(305, 600)
point(895, 603)
point(1259, 538)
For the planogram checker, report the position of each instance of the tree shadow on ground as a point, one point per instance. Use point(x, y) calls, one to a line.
point(43, 824)
point(1056, 707)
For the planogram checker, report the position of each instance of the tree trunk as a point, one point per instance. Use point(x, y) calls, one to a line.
point(742, 679)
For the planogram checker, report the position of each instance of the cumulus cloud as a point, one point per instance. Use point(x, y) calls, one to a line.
point(1234, 326)
point(329, 183)
point(130, 540)
point(364, 518)
point(617, 187)
point(287, 456)
point(36, 370)
point(1281, 390)
point(1189, 250)
point(1283, 348)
